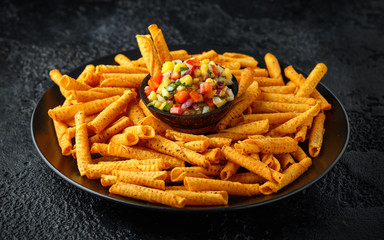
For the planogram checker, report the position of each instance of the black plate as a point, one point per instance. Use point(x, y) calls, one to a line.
point(43, 135)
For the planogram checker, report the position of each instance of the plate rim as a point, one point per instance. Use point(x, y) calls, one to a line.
point(149, 206)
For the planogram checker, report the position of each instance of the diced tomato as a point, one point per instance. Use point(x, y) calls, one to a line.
point(196, 62)
point(209, 102)
point(177, 110)
point(157, 78)
point(215, 70)
point(153, 85)
point(175, 75)
point(148, 91)
point(195, 96)
point(190, 62)
point(205, 87)
point(181, 96)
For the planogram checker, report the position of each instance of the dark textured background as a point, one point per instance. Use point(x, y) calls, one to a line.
point(348, 36)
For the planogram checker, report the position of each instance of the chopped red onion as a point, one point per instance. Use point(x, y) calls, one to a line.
point(187, 103)
point(206, 76)
point(195, 106)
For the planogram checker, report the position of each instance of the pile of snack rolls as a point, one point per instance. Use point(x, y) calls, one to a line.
point(252, 150)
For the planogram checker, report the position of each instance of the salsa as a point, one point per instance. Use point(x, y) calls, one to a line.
point(190, 87)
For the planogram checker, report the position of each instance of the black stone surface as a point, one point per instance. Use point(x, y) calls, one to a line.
point(348, 36)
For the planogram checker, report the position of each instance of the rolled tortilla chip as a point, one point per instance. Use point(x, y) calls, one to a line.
point(229, 170)
point(145, 109)
point(301, 133)
point(184, 137)
point(299, 154)
point(299, 79)
point(273, 67)
point(62, 137)
point(69, 83)
point(175, 188)
point(312, 80)
point(247, 146)
point(63, 113)
point(233, 188)
point(262, 72)
point(142, 132)
point(126, 80)
point(271, 161)
point(246, 80)
point(229, 135)
point(112, 91)
point(142, 153)
point(197, 146)
point(179, 173)
point(138, 179)
point(148, 51)
point(316, 136)
point(251, 164)
point(105, 159)
point(291, 125)
point(230, 65)
point(94, 171)
point(252, 128)
point(325, 105)
point(268, 82)
point(195, 158)
point(163, 145)
point(275, 145)
point(285, 159)
point(243, 62)
point(160, 44)
point(148, 194)
point(87, 119)
point(122, 60)
point(236, 55)
point(83, 154)
point(211, 54)
point(159, 126)
point(100, 69)
point(134, 112)
point(213, 155)
point(140, 62)
point(206, 198)
point(86, 96)
point(115, 128)
point(274, 107)
point(111, 112)
point(239, 106)
point(126, 139)
point(288, 98)
point(273, 118)
point(290, 175)
point(247, 177)
point(88, 76)
point(108, 180)
point(180, 55)
point(100, 148)
point(279, 89)
point(56, 76)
